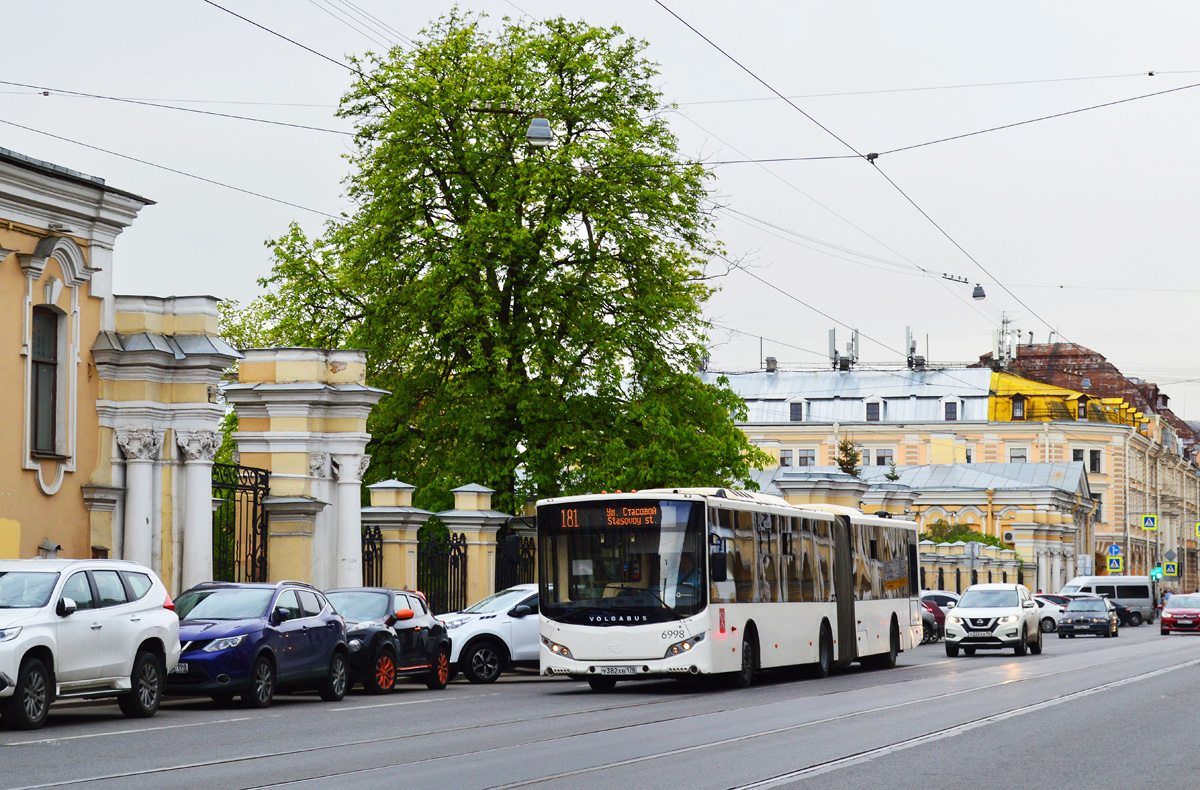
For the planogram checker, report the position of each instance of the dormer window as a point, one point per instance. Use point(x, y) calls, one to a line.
point(1081, 414)
point(951, 410)
point(873, 411)
point(796, 411)
point(1018, 407)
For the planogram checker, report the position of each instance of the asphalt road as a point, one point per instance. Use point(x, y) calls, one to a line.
point(1087, 713)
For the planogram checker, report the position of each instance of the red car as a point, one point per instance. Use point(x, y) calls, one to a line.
point(1181, 613)
point(939, 616)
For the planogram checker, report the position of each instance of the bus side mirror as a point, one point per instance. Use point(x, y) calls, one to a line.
point(718, 566)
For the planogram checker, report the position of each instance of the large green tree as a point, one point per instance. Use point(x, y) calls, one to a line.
point(535, 312)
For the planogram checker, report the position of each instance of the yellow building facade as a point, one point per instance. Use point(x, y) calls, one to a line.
point(109, 429)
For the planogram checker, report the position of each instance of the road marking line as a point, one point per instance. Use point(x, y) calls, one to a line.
point(409, 702)
point(140, 730)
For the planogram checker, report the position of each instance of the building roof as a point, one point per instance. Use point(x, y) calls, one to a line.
point(49, 168)
point(1068, 477)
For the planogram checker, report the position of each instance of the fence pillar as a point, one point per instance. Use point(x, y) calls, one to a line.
point(391, 510)
point(474, 518)
point(298, 410)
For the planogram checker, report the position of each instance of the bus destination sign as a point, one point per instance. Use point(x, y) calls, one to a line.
point(631, 515)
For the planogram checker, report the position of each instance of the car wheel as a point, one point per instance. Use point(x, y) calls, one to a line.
point(602, 683)
point(951, 650)
point(1020, 648)
point(332, 687)
point(1062, 636)
point(440, 675)
point(824, 653)
point(1036, 647)
point(382, 678)
point(262, 684)
point(27, 708)
point(970, 651)
point(1048, 625)
point(1164, 632)
point(222, 697)
point(1071, 635)
point(1135, 619)
point(744, 676)
point(147, 680)
point(483, 662)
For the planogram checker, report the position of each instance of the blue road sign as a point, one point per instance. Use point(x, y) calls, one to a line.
point(1115, 550)
point(1114, 564)
point(1149, 522)
point(1169, 569)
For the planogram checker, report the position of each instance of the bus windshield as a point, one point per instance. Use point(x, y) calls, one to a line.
point(622, 562)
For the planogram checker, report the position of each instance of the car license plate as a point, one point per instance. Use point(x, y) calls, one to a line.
point(180, 669)
point(979, 633)
point(1183, 622)
point(1084, 626)
point(618, 670)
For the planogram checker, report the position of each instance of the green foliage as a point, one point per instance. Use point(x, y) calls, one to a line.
point(892, 474)
point(848, 457)
point(535, 313)
point(942, 531)
point(229, 424)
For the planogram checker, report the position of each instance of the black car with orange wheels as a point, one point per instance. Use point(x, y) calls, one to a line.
point(390, 635)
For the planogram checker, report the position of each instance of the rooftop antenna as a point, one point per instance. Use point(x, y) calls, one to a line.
point(833, 353)
point(914, 362)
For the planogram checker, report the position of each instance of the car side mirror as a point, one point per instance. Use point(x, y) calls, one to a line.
point(718, 566)
point(1029, 604)
point(520, 610)
point(281, 615)
point(404, 614)
point(65, 607)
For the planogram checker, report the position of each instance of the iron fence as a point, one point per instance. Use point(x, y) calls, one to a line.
point(240, 523)
point(516, 561)
point(372, 557)
point(442, 573)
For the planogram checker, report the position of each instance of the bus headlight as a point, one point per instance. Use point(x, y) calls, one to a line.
point(557, 649)
point(684, 646)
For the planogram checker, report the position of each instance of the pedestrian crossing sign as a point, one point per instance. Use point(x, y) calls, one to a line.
point(1114, 564)
point(1169, 569)
point(1149, 522)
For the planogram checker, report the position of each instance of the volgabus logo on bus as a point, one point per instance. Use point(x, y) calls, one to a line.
point(605, 619)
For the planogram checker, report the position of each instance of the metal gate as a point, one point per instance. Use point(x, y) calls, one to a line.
point(372, 557)
point(239, 532)
point(442, 573)
point(516, 561)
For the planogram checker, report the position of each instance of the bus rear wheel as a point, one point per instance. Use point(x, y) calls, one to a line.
point(824, 664)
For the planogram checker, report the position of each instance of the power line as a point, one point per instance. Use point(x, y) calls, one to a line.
point(353, 25)
point(941, 87)
point(1042, 118)
point(334, 61)
point(383, 27)
point(171, 170)
point(144, 103)
point(869, 158)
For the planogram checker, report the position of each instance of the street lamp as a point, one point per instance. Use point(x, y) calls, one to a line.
point(978, 292)
point(539, 133)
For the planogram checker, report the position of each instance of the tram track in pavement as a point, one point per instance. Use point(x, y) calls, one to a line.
point(788, 776)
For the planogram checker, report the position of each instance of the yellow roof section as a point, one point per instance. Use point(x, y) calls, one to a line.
point(1006, 384)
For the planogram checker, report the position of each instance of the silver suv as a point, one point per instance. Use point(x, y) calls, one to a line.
point(82, 629)
point(994, 616)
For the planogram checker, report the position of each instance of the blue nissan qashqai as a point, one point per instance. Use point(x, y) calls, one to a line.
point(252, 639)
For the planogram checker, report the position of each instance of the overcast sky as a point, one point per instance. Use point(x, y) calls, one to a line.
point(1084, 224)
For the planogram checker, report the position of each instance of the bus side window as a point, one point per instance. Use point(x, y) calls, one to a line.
point(743, 555)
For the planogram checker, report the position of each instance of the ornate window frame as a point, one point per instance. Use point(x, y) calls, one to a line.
point(76, 273)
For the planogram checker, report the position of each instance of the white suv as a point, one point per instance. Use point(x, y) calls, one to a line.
point(994, 616)
point(83, 629)
point(498, 632)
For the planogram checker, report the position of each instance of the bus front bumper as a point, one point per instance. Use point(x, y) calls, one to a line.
point(627, 668)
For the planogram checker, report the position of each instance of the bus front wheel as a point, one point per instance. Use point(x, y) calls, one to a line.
point(602, 683)
point(745, 676)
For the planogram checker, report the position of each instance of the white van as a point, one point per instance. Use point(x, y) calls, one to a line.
point(1134, 592)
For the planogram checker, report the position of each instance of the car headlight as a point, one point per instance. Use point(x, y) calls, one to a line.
point(9, 634)
point(557, 649)
point(456, 622)
point(955, 620)
point(684, 646)
point(1012, 618)
point(355, 645)
point(224, 643)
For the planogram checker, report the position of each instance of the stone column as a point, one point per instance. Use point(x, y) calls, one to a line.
point(140, 448)
point(474, 518)
point(198, 449)
point(348, 535)
point(1056, 567)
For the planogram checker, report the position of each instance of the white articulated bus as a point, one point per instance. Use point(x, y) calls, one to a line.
point(696, 581)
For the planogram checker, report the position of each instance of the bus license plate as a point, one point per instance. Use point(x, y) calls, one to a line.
point(979, 633)
point(618, 670)
point(180, 669)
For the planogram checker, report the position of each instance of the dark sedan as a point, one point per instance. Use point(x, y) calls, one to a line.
point(1127, 616)
point(1181, 613)
point(391, 634)
point(1094, 616)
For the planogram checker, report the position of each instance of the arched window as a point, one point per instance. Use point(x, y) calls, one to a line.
point(45, 381)
point(1004, 577)
point(923, 587)
point(957, 580)
point(941, 578)
point(974, 576)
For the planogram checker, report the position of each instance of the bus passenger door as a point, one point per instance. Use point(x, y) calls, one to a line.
point(843, 587)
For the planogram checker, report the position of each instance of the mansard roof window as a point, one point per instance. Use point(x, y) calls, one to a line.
point(1018, 407)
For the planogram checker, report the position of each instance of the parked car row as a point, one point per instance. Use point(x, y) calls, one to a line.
point(90, 629)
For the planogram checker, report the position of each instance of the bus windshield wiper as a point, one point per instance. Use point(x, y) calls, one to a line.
point(665, 605)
